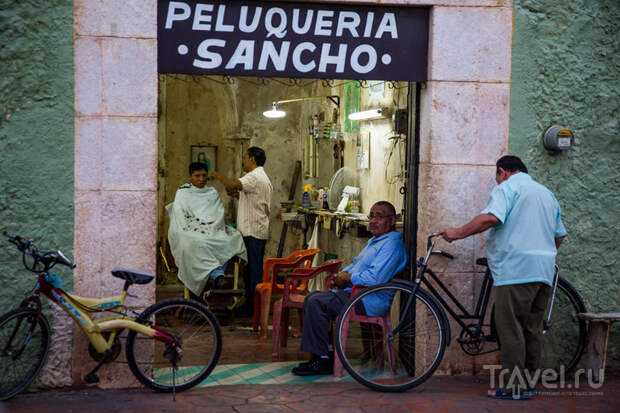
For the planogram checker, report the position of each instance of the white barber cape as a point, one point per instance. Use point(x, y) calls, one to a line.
point(200, 240)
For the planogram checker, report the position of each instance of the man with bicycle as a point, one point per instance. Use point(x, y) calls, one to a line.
point(525, 230)
point(383, 257)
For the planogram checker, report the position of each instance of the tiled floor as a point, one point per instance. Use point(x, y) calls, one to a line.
point(247, 359)
point(262, 373)
point(240, 343)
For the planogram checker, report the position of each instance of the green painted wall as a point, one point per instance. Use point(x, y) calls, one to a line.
point(36, 135)
point(565, 65)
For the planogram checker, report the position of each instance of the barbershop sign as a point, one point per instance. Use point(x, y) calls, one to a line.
point(273, 39)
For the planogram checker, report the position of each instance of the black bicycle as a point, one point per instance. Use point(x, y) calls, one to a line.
point(404, 347)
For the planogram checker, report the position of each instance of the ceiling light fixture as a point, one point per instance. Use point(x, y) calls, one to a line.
point(276, 113)
point(370, 114)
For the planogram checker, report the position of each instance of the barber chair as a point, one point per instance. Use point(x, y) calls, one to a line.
point(293, 298)
point(231, 273)
point(270, 285)
point(369, 328)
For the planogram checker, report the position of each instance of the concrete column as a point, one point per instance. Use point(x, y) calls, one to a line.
point(463, 131)
point(115, 157)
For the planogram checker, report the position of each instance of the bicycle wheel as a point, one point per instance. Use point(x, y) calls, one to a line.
point(197, 330)
point(24, 343)
point(385, 363)
point(565, 339)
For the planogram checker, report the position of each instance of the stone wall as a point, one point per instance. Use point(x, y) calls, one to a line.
point(464, 129)
point(36, 143)
point(115, 157)
point(565, 72)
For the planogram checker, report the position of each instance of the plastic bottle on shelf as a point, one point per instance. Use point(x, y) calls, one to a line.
point(305, 199)
point(325, 204)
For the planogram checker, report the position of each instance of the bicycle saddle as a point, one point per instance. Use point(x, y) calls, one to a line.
point(482, 261)
point(132, 276)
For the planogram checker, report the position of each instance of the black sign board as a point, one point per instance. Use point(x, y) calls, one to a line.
point(273, 39)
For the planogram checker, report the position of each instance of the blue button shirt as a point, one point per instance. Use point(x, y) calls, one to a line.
point(381, 259)
point(521, 248)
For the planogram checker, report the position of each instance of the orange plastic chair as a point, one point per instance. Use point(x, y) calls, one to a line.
point(384, 322)
point(292, 298)
point(269, 286)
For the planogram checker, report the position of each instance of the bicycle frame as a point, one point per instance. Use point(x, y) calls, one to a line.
point(79, 307)
point(481, 304)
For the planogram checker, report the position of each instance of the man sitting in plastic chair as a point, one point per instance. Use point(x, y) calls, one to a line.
point(200, 241)
point(383, 257)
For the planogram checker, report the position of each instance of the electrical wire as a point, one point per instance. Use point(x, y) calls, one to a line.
point(399, 176)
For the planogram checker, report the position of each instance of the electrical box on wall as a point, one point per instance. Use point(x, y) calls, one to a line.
point(400, 119)
point(557, 139)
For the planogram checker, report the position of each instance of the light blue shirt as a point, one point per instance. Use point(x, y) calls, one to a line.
point(521, 248)
point(381, 259)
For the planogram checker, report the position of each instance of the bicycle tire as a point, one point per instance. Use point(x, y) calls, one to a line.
point(19, 370)
point(200, 351)
point(565, 341)
point(416, 352)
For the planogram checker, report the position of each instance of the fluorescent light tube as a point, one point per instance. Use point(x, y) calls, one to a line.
point(367, 114)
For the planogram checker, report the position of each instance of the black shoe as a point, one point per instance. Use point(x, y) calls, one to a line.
point(315, 357)
point(307, 363)
point(315, 367)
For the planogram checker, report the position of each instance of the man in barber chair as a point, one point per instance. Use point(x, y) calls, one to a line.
point(200, 241)
point(383, 257)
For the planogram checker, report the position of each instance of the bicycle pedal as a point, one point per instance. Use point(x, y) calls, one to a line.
point(91, 378)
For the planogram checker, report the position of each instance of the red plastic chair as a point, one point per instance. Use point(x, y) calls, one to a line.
point(386, 327)
point(292, 298)
point(269, 286)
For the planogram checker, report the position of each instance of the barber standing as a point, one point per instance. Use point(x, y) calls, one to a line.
point(254, 191)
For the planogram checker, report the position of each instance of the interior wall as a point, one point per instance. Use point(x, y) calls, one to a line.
point(200, 110)
point(208, 111)
point(384, 178)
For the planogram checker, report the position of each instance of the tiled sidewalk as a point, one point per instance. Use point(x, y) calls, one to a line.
point(464, 394)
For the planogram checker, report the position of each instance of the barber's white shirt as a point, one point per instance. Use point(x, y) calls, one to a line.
point(254, 202)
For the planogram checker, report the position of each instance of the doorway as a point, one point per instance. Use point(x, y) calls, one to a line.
point(219, 117)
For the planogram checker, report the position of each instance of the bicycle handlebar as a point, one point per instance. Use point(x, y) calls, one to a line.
point(444, 254)
point(430, 244)
point(48, 259)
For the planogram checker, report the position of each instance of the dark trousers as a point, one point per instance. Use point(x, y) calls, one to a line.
point(519, 316)
point(320, 308)
point(253, 275)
